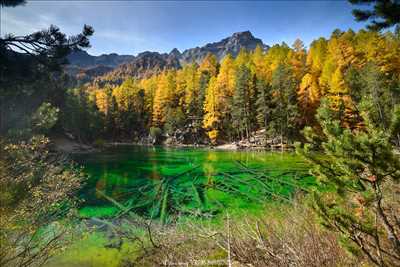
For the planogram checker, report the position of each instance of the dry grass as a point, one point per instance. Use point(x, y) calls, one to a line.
point(282, 237)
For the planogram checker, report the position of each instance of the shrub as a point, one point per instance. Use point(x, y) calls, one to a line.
point(36, 189)
point(155, 133)
point(286, 235)
point(99, 143)
point(45, 118)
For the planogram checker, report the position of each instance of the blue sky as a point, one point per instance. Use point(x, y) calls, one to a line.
point(131, 27)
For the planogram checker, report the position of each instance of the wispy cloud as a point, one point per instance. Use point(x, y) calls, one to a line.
point(28, 21)
point(12, 24)
point(131, 27)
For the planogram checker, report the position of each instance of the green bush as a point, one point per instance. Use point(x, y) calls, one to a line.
point(155, 132)
point(44, 118)
point(99, 143)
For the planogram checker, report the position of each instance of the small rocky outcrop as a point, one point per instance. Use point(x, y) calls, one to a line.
point(257, 140)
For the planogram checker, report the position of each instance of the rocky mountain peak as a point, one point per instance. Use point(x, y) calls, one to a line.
point(148, 62)
point(231, 45)
point(246, 35)
point(175, 52)
point(241, 40)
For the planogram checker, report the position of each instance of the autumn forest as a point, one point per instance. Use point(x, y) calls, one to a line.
point(278, 90)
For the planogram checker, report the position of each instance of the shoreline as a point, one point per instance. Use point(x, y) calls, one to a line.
point(228, 146)
point(66, 145)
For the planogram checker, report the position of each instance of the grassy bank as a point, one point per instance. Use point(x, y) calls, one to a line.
point(279, 235)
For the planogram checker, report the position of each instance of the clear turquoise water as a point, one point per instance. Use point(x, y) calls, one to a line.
point(166, 183)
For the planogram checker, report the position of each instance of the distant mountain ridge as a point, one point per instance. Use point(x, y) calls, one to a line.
point(147, 62)
point(82, 59)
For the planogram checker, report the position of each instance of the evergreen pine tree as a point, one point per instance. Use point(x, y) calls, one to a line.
point(284, 114)
point(358, 177)
point(241, 102)
point(263, 103)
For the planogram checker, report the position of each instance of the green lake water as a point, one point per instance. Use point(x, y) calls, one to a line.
point(168, 183)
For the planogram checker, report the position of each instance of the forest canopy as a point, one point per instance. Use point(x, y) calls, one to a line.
point(278, 90)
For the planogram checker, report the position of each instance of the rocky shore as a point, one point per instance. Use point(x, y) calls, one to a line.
point(257, 141)
point(66, 145)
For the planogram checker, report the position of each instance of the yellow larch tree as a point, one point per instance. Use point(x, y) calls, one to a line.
point(226, 77)
point(126, 95)
point(209, 65)
point(212, 116)
point(164, 97)
point(297, 59)
point(308, 96)
point(259, 66)
point(310, 92)
point(186, 87)
point(277, 55)
point(191, 88)
point(340, 99)
point(149, 86)
point(102, 100)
